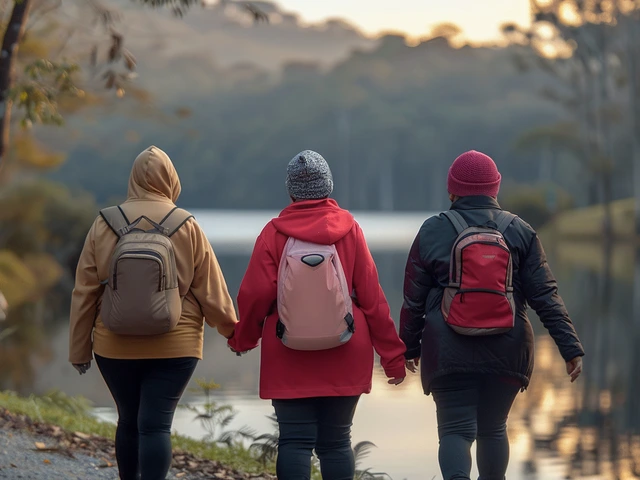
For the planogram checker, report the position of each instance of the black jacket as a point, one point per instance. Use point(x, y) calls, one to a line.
point(443, 351)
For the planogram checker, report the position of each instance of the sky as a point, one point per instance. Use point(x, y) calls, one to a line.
point(480, 20)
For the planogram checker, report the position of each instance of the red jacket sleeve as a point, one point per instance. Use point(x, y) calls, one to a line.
point(374, 305)
point(256, 298)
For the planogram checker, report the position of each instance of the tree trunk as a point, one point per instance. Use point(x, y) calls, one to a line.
point(606, 144)
point(10, 42)
point(634, 103)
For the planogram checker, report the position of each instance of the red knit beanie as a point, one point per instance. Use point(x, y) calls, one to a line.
point(474, 173)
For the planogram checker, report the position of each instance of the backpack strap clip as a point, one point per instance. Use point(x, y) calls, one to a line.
point(503, 221)
point(456, 219)
point(115, 218)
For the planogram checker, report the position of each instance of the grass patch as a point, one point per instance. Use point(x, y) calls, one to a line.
point(575, 237)
point(69, 413)
point(73, 414)
point(586, 223)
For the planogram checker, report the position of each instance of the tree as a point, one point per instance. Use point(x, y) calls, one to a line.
point(578, 43)
point(448, 31)
point(8, 55)
point(46, 80)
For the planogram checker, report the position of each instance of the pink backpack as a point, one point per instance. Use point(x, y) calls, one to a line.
point(314, 305)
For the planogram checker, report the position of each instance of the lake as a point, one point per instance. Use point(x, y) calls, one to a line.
point(588, 430)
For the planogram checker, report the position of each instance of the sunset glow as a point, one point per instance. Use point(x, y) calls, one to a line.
point(480, 21)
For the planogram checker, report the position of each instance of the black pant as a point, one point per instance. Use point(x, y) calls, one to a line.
point(473, 407)
point(146, 393)
point(320, 423)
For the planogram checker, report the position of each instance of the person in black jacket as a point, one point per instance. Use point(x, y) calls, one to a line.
point(475, 379)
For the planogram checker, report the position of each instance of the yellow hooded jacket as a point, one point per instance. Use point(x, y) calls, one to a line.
point(154, 186)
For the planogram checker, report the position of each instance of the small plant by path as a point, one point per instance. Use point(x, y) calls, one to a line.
point(266, 446)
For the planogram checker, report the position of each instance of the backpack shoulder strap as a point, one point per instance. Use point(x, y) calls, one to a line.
point(115, 218)
point(456, 219)
point(175, 219)
point(504, 220)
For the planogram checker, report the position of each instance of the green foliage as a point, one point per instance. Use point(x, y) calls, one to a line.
point(27, 153)
point(266, 444)
point(55, 399)
point(537, 204)
point(361, 451)
point(215, 418)
point(57, 409)
point(38, 92)
point(42, 229)
point(43, 216)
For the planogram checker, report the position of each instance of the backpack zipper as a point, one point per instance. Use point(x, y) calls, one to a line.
point(148, 253)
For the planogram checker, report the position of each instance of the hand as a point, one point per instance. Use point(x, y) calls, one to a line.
point(82, 367)
point(238, 354)
point(574, 368)
point(395, 381)
point(412, 365)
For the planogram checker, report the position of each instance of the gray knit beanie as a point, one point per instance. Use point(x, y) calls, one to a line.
point(309, 177)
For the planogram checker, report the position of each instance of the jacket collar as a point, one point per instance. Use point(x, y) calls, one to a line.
point(475, 202)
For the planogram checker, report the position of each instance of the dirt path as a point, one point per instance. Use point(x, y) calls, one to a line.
point(35, 451)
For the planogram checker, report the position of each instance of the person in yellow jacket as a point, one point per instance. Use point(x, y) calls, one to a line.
point(147, 374)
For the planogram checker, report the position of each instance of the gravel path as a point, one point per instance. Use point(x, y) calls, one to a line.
point(20, 460)
point(39, 451)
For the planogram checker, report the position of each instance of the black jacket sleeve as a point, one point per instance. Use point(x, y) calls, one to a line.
point(417, 283)
point(541, 291)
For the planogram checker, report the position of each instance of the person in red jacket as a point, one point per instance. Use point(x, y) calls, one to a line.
point(315, 393)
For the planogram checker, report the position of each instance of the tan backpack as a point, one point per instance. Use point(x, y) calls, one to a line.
point(141, 295)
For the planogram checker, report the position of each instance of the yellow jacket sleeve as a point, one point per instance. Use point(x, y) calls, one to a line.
point(84, 302)
point(210, 288)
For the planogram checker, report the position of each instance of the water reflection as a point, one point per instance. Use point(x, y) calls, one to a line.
point(589, 430)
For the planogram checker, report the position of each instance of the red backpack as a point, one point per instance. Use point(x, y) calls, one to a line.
point(479, 298)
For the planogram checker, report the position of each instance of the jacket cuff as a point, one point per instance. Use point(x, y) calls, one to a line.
point(73, 360)
point(396, 372)
point(572, 353)
point(412, 353)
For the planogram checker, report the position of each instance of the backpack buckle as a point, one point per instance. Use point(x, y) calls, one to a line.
point(280, 329)
point(351, 325)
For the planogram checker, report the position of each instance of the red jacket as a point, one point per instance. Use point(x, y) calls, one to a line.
point(342, 371)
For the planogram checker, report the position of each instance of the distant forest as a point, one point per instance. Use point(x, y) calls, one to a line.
point(389, 118)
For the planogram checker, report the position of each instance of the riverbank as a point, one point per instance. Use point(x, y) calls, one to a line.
point(54, 437)
point(587, 223)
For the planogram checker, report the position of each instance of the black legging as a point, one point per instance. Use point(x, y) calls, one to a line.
point(146, 393)
point(320, 423)
point(469, 408)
